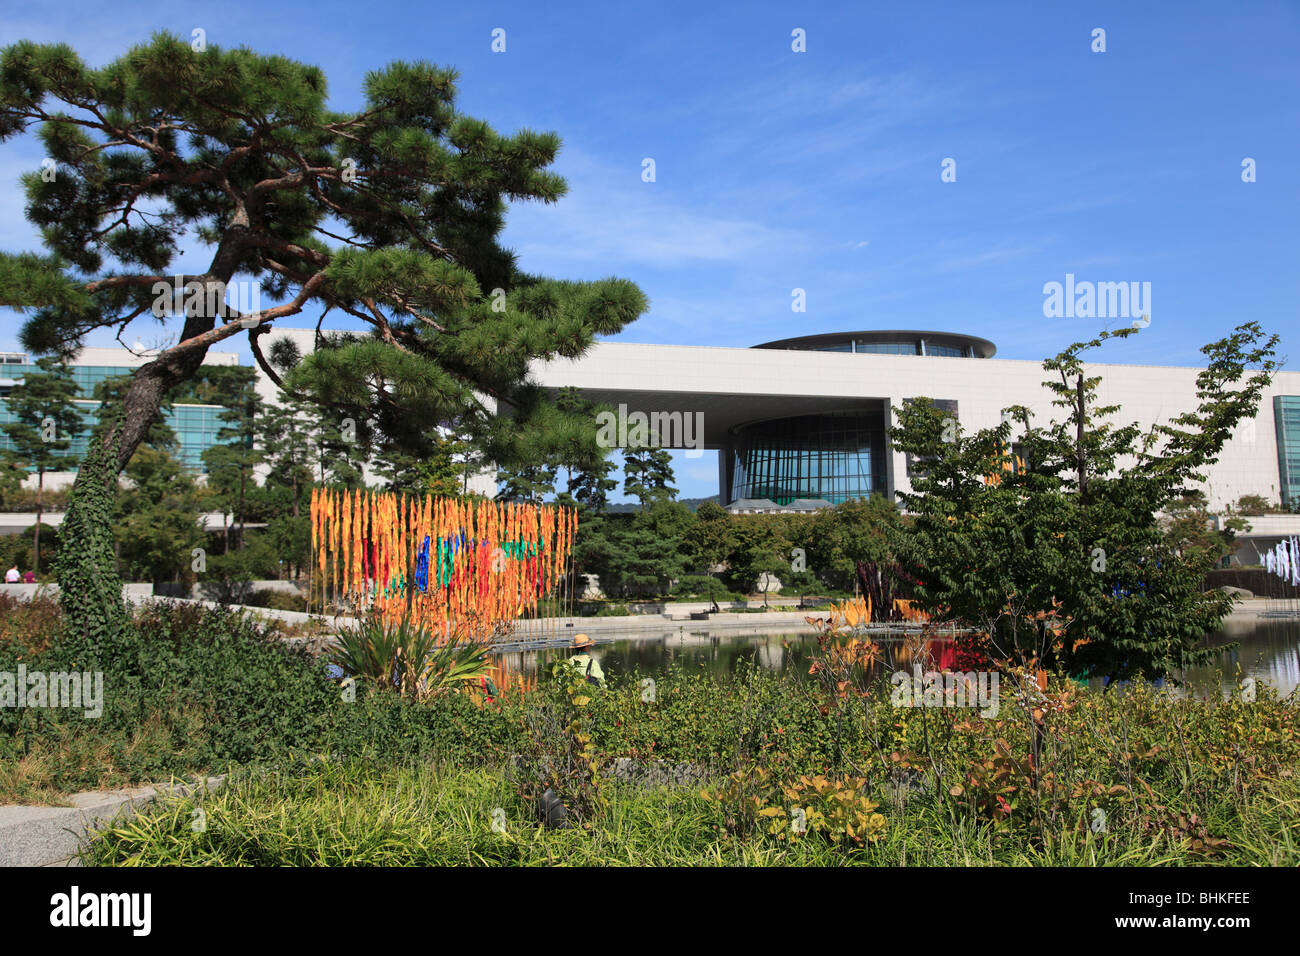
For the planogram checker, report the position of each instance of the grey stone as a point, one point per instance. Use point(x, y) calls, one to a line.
point(55, 836)
point(1240, 591)
point(552, 810)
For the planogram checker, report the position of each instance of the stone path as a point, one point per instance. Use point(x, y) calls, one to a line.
point(55, 836)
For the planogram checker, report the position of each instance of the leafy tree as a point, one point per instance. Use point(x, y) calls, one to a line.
point(857, 530)
point(1254, 505)
point(802, 582)
point(390, 214)
point(1190, 528)
point(45, 421)
point(711, 511)
point(754, 535)
point(1061, 557)
point(709, 542)
point(229, 574)
point(290, 536)
point(757, 565)
point(157, 524)
point(16, 549)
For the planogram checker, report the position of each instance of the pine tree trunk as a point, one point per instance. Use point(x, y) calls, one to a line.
point(90, 589)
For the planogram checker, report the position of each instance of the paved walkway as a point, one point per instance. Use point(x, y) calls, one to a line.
point(55, 836)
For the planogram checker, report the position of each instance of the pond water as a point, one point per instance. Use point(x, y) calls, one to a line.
point(1268, 650)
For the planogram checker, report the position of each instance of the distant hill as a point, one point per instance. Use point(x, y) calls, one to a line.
point(692, 503)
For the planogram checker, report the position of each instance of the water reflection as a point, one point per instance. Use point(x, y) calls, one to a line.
point(1268, 650)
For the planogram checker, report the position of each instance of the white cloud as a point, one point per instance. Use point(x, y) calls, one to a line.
point(612, 216)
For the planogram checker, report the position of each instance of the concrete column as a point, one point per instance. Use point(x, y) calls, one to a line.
point(895, 461)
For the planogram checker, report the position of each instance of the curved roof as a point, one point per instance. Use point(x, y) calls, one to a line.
point(980, 348)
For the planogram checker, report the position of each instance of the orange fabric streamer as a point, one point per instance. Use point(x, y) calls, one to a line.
point(485, 565)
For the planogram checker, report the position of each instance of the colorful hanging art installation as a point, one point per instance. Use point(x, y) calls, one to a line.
point(1284, 561)
point(474, 566)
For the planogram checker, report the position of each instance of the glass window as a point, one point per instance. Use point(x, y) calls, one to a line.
point(1286, 421)
point(888, 348)
point(196, 426)
point(834, 457)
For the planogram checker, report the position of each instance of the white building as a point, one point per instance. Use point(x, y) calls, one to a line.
point(805, 418)
point(801, 422)
point(196, 425)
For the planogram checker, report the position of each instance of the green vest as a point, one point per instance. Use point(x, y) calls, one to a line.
point(580, 663)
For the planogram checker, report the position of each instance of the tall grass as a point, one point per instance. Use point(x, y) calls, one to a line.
point(362, 814)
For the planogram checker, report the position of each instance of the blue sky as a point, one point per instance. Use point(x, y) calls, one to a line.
point(821, 170)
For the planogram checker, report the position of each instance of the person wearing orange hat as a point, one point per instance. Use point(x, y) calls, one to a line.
point(584, 663)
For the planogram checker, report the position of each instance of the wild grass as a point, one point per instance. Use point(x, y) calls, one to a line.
point(359, 813)
point(320, 777)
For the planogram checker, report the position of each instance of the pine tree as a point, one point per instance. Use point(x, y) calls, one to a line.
point(633, 474)
point(590, 486)
point(46, 419)
point(648, 475)
point(110, 392)
point(230, 463)
point(288, 443)
point(390, 214)
point(439, 466)
point(11, 480)
point(531, 483)
point(342, 451)
point(657, 475)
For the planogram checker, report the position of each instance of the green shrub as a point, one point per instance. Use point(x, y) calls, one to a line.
point(705, 587)
point(187, 689)
point(277, 600)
